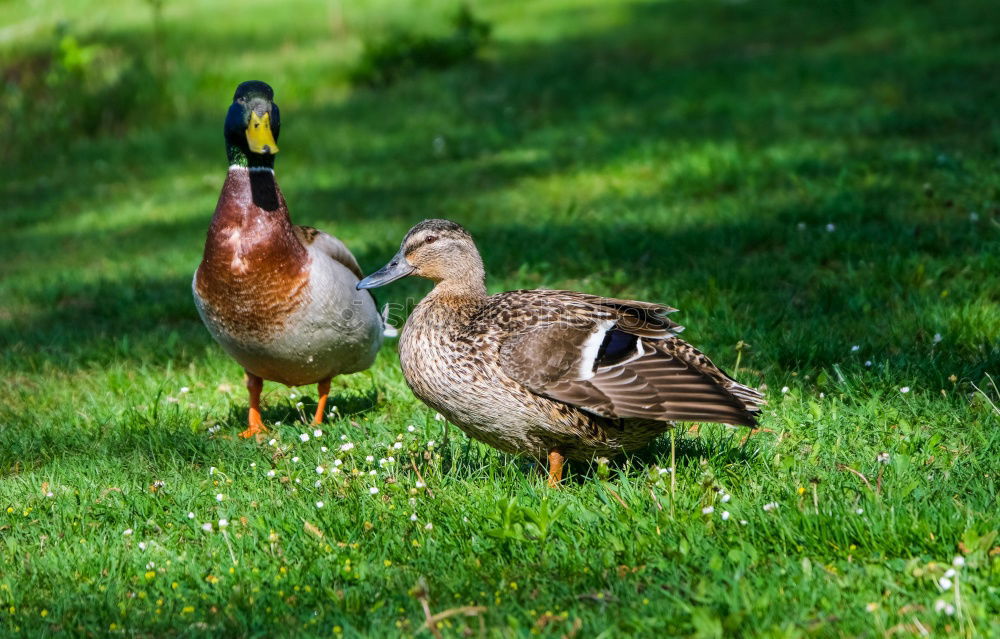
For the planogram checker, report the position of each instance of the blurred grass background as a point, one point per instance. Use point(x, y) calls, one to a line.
point(800, 177)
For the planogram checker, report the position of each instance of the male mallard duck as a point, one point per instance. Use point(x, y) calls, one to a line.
point(279, 298)
point(554, 374)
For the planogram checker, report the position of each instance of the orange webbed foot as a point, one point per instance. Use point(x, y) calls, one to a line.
point(556, 461)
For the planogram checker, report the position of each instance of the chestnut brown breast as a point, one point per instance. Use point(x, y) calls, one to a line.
point(254, 272)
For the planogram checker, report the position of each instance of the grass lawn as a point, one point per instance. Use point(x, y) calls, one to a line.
point(819, 181)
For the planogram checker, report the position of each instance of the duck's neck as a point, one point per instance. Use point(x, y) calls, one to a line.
point(241, 157)
point(461, 291)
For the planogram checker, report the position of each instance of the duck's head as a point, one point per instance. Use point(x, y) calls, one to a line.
point(438, 250)
point(252, 125)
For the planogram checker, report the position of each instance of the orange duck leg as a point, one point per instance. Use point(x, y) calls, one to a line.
point(323, 388)
point(254, 385)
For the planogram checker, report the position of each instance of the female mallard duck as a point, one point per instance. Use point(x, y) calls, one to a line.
point(554, 374)
point(279, 298)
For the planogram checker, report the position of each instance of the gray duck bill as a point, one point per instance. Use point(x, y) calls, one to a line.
point(397, 268)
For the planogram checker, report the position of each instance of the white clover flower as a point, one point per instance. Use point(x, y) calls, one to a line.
point(939, 606)
point(831, 227)
point(223, 523)
point(855, 348)
point(211, 470)
point(383, 462)
point(343, 438)
point(346, 447)
point(860, 511)
point(973, 216)
point(295, 459)
point(708, 510)
point(319, 504)
point(323, 449)
point(390, 459)
point(277, 423)
point(253, 464)
point(292, 395)
point(784, 389)
point(868, 363)
point(725, 515)
point(743, 522)
point(438, 417)
point(219, 497)
point(397, 445)
point(304, 437)
point(904, 390)
point(413, 517)
point(945, 583)
point(270, 473)
point(190, 515)
point(373, 490)
point(801, 226)
point(949, 610)
point(127, 532)
point(958, 561)
point(185, 389)
point(725, 498)
point(151, 565)
point(373, 472)
point(207, 526)
point(410, 428)
point(299, 405)
point(370, 458)
point(430, 444)
point(420, 484)
point(429, 526)
point(771, 505)
point(338, 462)
point(317, 433)
point(318, 483)
point(949, 573)
point(272, 442)
point(883, 458)
point(319, 470)
point(937, 338)
point(298, 480)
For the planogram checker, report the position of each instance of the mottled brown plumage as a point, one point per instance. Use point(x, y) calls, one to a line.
point(550, 374)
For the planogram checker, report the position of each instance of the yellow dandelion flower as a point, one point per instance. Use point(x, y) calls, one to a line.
point(10, 509)
point(150, 574)
point(186, 610)
point(801, 490)
point(386, 563)
point(113, 627)
point(45, 613)
point(174, 585)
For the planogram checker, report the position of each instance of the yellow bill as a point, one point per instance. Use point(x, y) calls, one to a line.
point(259, 134)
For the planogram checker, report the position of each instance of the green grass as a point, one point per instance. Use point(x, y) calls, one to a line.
point(691, 153)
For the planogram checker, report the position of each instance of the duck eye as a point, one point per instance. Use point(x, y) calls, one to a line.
point(430, 238)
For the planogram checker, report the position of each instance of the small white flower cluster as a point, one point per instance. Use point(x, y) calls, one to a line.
point(771, 505)
point(883, 458)
point(214, 429)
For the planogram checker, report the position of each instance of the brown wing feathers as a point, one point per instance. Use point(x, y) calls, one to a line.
point(640, 369)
